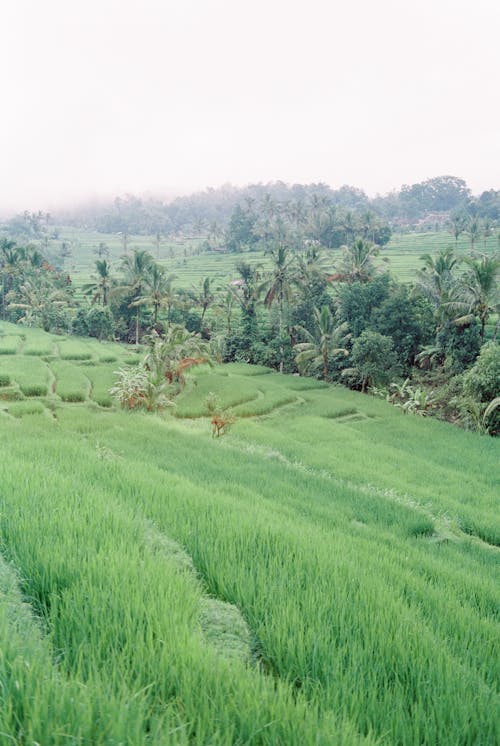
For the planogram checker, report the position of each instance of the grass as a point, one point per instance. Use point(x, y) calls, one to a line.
point(326, 573)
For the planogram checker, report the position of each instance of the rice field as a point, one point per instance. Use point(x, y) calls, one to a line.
point(190, 264)
point(326, 573)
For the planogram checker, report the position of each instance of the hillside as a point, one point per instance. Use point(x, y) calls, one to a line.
point(327, 572)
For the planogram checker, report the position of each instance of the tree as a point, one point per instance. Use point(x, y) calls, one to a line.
point(407, 319)
point(357, 263)
point(458, 224)
point(482, 384)
point(473, 230)
point(246, 291)
point(157, 290)
point(373, 359)
point(315, 354)
point(438, 282)
point(43, 304)
point(280, 287)
point(478, 293)
point(172, 355)
point(136, 266)
point(241, 231)
point(205, 298)
point(100, 289)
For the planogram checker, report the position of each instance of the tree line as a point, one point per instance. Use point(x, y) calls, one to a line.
point(210, 212)
point(333, 314)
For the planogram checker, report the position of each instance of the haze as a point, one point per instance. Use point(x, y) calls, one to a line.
point(103, 97)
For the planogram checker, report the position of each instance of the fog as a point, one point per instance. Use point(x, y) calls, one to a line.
point(110, 96)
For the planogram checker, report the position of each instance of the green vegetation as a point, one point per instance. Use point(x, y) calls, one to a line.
point(324, 573)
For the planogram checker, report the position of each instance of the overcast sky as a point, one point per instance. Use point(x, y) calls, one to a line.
point(101, 97)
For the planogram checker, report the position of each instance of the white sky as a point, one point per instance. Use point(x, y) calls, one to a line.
point(100, 97)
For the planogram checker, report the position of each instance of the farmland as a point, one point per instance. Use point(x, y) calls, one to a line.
point(327, 572)
point(186, 259)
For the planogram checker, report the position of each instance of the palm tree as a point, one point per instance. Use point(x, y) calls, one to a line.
point(40, 301)
point(157, 290)
point(136, 267)
point(9, 259)
point(279, 287)
point(458, 223)
point(315, 354)
point(246, 292)
point(478, 293)
point(100, 288)
point(438, 282)
point(473, 230)
point(205, 298)
point(172, 355)
point(487, 231)
point(357, 262)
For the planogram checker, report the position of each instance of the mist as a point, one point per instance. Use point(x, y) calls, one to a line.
point(106, 98)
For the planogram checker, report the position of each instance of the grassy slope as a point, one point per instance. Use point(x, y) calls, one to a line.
point(352, 539)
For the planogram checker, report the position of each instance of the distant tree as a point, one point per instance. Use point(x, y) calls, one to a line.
point(241, 231)
point(99, 289)
point(473, 230)
point(279, 286)
point(357, 263)
point(135, 267)
point(458, 224)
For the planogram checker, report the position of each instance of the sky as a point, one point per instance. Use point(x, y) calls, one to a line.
point(106, 97)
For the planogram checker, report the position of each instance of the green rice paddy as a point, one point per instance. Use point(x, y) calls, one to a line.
point(326, 573)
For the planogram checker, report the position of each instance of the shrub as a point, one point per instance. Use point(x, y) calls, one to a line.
point(481, 386)
point(4, 379)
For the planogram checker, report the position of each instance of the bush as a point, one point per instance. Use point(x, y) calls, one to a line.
point(4, 379)
point(482, 385)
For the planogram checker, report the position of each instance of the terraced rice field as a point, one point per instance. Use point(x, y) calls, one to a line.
point(326, 573)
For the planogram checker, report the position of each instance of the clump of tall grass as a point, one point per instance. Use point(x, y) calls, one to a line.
point(5, 379)
point(34, 389)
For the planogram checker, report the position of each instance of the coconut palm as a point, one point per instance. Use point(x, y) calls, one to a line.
point(136, 266)
point(204, 297)
point(100, 289)
point(473, 230)
point(279, 286)
point(156, 291)
point(458, 224)
point(357, 262)
point(315, 354)
point(438, 281)
point(479, 293)
point(40, 302)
